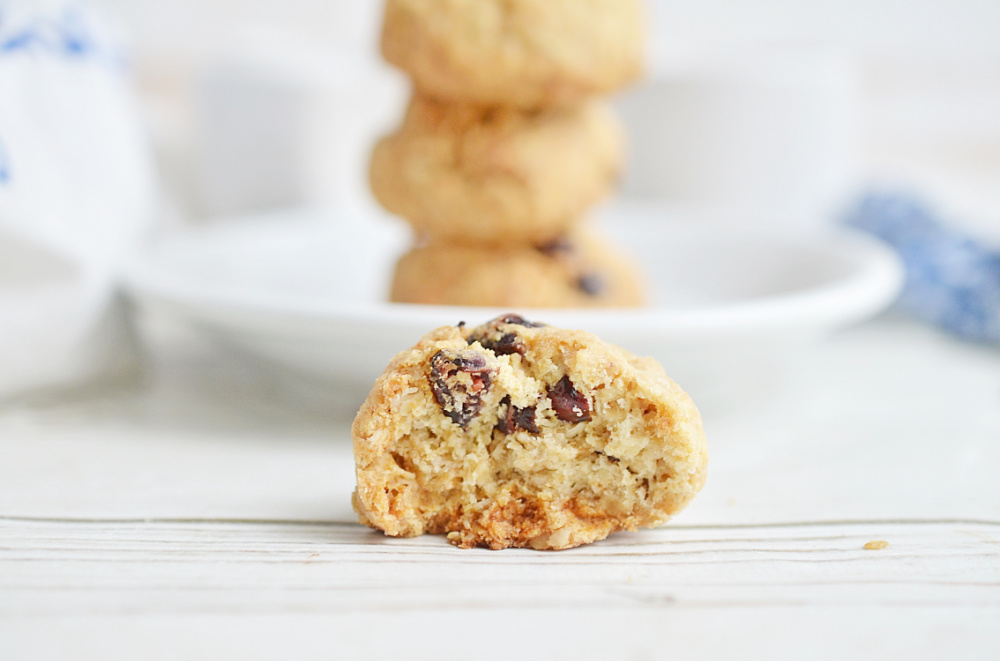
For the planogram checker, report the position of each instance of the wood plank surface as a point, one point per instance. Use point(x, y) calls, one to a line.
point(66, 567)
point(205, 513)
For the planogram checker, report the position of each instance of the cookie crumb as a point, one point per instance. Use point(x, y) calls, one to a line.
point(876, 545)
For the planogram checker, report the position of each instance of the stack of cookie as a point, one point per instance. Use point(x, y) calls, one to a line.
point(504, 146)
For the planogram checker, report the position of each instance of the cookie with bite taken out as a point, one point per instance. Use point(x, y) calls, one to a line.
point(518, 434)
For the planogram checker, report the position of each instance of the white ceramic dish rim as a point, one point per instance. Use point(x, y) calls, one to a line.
point(872, 282)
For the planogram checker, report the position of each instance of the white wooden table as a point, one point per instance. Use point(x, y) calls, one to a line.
point(204, 513)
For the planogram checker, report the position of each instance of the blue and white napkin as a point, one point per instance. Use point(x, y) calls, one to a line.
point(76, 190)
point(952, 278)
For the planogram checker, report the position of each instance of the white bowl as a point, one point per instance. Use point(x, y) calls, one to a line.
point(730, 310)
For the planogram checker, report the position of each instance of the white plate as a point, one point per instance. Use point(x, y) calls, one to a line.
point(730, 309)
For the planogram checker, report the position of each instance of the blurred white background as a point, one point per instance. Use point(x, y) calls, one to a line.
point(914, 89)
point(776, 114)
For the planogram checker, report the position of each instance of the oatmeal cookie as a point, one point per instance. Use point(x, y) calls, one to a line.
point(582, 270)
point(519, 434)
point(496, 175)
point(523, 53)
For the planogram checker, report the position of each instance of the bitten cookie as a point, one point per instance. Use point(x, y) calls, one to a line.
point(471, 174)
point(581, 270)
point(523, 53)
point(519, 434)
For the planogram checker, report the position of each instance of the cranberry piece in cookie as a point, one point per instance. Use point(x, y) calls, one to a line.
point(459, 379)
point(569, 403)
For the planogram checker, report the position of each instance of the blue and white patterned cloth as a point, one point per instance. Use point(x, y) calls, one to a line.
point(77, 191)
point(60, 28)
point(952, 279)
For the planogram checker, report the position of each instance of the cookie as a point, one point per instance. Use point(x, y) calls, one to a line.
point(496, 175)
point(522, 53)
point(520, 434)
point(582, 270)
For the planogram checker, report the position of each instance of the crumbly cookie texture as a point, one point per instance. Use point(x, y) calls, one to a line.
point(524, 53)
point(519, 434)
point(496, 175)
point(579, 270)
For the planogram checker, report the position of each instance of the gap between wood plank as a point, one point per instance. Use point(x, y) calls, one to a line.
point(305, 522)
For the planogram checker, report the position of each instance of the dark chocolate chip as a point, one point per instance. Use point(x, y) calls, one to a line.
point(494, 336)
point(591, 284)
point(513, 418)
point(569, 403)
point(459, 379)
point(613, 460)
point(505, 419)
point(559, 246)
point(515, 319)
point(505, 345)
point(525, 419)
